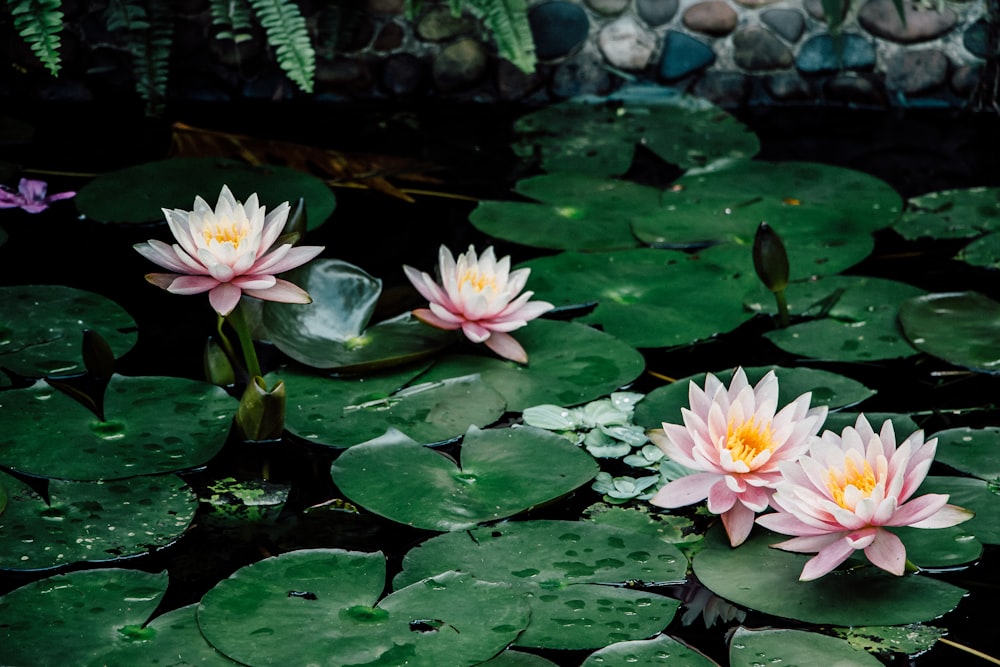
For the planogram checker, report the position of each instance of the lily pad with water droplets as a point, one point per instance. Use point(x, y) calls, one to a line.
point(660, 650)
point(751, 648)
point(41, 333)
point(911, 640)
point(303, 607)
point(70, 619)
point(92, 521)
point(501, 472)
point(759, 577)
point(342, 412)
point(152, 425)
point(975, 495)
point(951, 214)
point(568, 364)
point(962, 328)
point(568, 572)
point(137, 194)
point(512, 658)
point(973, 451)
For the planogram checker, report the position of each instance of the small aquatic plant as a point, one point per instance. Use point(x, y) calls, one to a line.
point(30, 196)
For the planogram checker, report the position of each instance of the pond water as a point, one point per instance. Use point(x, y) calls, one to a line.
point(463, 155)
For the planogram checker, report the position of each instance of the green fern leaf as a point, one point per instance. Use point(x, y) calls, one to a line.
point(232, 18)
point(507, 21)
point(287, 34)
point(147, 29)
point(39, 22)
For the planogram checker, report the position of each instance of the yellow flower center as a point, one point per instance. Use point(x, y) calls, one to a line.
point(863, 480)
point(478, 281)
point(225, 231)
point(748, 439)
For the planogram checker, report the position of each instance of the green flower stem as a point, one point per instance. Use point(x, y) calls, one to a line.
point(224, 343)
point(779, 297)
point(238, 322)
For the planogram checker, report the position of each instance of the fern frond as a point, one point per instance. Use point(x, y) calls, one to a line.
point(233, 19)
point(287, 33)
point(507, 21)
point(39, 22)
point(147, 28)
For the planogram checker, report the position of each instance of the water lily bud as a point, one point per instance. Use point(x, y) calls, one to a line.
point(770, 259)
point(261, 415)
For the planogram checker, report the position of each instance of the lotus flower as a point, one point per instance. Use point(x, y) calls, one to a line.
point(849, 489)
point(30, 196)
point(734, 440)
point(480, 296)
point(227, 253)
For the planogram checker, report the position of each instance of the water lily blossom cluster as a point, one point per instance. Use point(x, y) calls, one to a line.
point(30, 196)
point(481, 296)
point(848, 490)
point(734, 438)
point(228, 252)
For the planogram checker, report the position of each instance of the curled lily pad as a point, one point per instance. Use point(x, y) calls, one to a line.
point(325, 602)
point(502, 472)
point(659, 650)
point(137, 194)
point(43, 325)
point(152, 425)
point(333, 332)
point(567, 571)
point(749, 648)
point(92, 521)
point(974, 451)
point(341, 412)
point(948, 214)
point(963, 328)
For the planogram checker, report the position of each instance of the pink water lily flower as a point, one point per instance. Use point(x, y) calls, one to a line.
point(30, 196)
point(481, 296)
point(849, 489)
point(228, 252)
point(734, 438)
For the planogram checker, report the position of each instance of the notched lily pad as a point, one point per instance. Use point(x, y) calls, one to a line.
point(749, 648)
point(962, 328)
point(984, 252)
point(501, 472)
point(973, 451)
point(660, 650)
point(951, 214)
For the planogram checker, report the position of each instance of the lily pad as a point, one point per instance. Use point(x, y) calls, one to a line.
point(759, 577)
point(342, 412)
point(569, 364)
point(939, 548)
point(599, 135)
point(749, 648)
point(502, 472)
point(325, 603)
point(902, 425)
point(93, 522)
point(664, 404)
point(567, 571)
point(984, 252)
point(70, 619)
point(660, 650)
point(973, 451)
point(152, 425)
point(333, 333)
point(42, 330)
point(512, 658)
point(646, 297)
point(951, 214)
point(962, 328)
point(911, 640)
point(136, 195)
point(972, 494)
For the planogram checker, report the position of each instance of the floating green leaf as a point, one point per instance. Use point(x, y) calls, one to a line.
point(502, 472)
point(325, 602)
point(92, 521)
point(910, 639)
point(975, 495)
point(759, 577)
point(70, 619)
point(984, 252)
point(42, 330)
point(963, 328)
point(937, 548)
point(974, 451)
point(152, 425)
point(136, 194)
point(512, 658)
point(903, 425)
point(951, 214)
point(238, 504)
point(565, 569)
point(749, 648)
point(660, 650)
point(568, 364)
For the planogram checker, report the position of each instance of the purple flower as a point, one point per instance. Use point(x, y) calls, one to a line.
point(30, 196)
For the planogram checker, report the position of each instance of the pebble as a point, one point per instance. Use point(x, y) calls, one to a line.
point(584, 74)
point(683, 55)
point(854, 88)
point(965, 79)
point(726, 89)
point(788, 87)
point(440, 25)
point(558, 28)
point(914, 72)
point(712, 17)
point(608, 7)
point(513, 84)
point(386, 7)
point(626, 44)
point(459, 65)
point(757, 49)
point(818, 55)
point(390, 37)
point(976, 38)
point(656, 12)
point(788, 23)
point(403, 74)
point(880, 18)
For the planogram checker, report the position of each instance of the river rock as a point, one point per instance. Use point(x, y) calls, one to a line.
point(390, 37)
point(626, 44)
point(788, 23)
point(440, 25)
point(683, 55)
point(757, 49)
point(558, 28)
point(818, 54)
point(880, 18)
point(608, 7)
point(656, 12)
point(514, 84)
point(914, 72)
point(726, 89)
point(403, 74)
point(385, 7)
point(788, 87)
point(459, 65)
point(815, 9)
point(712, 17)
point(976, 38)
point(584, 74)
point(965, 79)
point(855, 88)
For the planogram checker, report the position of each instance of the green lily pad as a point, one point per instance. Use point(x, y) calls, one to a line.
point(332, 332)
point(912, 639)
point(42, 330)
point(750, 648)
point(759, 577)
point(938, 548)
point(902, 425)
point(568, 364)
point(664, 404)
point(599, 136)
point(502, 472)
point(564, 569)
point(169, 640)
point(322, 607)
point(152, 425)
point(93, 522)
point(984, 252)
point(236, 504)
point(951, 214)
point(646, 297)
point(342, 412)
point(973, 494)
point(137, 194)
point(823, 231)
point(660, 650)
point(70, 619)
point(860, 322)
point(962, 328)
point(974, 451)
point(512, 658)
